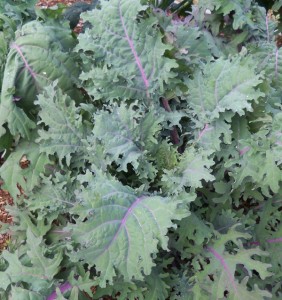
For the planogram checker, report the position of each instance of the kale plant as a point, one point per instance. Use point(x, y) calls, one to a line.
point(153, 143)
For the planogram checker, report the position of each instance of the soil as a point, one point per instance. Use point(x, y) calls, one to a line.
point(5, 199)
point(49, 3)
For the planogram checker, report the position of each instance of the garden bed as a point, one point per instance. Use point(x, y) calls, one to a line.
point(143, 155)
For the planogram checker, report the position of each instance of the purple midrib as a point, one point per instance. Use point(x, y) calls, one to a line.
point(276, 240)
point(202, 132)
point(131, 45)
point(244, 150)
point(123, 223)
point(63, 288)
point(225, 267)
point(27, 66)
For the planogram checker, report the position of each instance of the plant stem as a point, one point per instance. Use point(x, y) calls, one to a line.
point(63, 288)
point(270, 241)
point(173, 134)
point(225, 267)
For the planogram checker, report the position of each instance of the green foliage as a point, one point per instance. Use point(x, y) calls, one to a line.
point(13, 174)
point(133, 46)
point(36, 269)
point(224, 279)
point(64, 135)
point(120, 217)
point(38, 55)
point(194, 166)
point(219, 89)
point(152, 145)
point(20, 11)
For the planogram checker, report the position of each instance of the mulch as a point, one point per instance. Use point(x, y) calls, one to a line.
point(5, 199)
point(49, 3)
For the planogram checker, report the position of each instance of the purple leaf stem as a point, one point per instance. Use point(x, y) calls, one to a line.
point(27, 66)
point(136, 57)
point(123, 223)
point(202, 132)
point(277, 240)
point(244, 150)
point(225, 267)
point(166, 105)
point(173, 134)
point(63, 288)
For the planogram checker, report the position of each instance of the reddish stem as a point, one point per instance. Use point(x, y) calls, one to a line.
point(202, 132)
point(244, 150)
point(173, 134)
point(271, 241)
point(225, 267)
point(166, 105)
point(63, 288)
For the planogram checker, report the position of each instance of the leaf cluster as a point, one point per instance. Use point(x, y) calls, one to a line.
point(152, 150)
